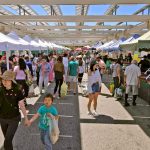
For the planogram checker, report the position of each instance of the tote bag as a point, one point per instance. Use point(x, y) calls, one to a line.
point(53, 129)
point(64, 88)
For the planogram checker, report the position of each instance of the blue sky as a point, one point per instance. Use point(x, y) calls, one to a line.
point(93, 10)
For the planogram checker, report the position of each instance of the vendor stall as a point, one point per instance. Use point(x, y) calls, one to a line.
point(137, 44)
point(144, 90)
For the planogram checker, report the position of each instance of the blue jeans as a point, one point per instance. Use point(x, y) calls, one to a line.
point(45, 138)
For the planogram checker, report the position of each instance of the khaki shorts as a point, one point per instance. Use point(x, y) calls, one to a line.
point(73, 79)
point(132, 88)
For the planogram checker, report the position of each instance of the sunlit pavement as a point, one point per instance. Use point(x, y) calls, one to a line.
point(116, 128)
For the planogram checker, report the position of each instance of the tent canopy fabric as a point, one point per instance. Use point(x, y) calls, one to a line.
point(43, 46)
point(135, 36)
point(22, 43)
point(7, 43)
point(115, 46)
point(135, 44)
point(102, 47)
point(34, 44)
point(97, 45)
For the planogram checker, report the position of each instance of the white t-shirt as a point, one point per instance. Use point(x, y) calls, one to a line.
point(95, 77)
point(114, 74)
point(132, 73)
point(82, 68)
point(65, 61)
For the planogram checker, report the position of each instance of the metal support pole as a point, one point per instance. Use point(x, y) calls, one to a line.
point(115, 11)
point(82, 12)
point(24, 12)
point(19, 10)
point(51, 10)
point(148, 10)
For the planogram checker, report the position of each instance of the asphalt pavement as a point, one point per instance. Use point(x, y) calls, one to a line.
point(116, 128)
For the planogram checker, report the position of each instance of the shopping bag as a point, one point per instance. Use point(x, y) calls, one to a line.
point(29, 81)
point(64, 88)
point(111, 87)
point(118, 93)
point(53, 129)
point(31, 89)
point(85, 90)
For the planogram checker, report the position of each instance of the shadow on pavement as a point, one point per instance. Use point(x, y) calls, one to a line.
point(140, 112)
point(103, 119)
point(98, 119)
point(107, 95)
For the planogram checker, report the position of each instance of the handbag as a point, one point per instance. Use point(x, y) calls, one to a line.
point(64, 88)
point(53, 130)
point(111, 87)
point(118, 92)
point(95, 87)
point(29, 81)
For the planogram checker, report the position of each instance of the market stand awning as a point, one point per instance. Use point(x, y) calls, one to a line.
point(138, 43)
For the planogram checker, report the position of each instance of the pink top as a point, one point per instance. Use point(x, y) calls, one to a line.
point(20, 74)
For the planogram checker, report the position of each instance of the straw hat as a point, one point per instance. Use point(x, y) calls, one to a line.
point(8, 75)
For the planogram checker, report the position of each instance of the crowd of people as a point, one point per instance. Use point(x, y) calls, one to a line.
point(68, 67)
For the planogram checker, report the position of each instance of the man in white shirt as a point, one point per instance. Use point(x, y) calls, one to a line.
point(131, 79)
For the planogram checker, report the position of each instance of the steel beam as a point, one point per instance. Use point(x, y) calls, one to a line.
point(102, 18)
point(70, 27)
point(71, 2)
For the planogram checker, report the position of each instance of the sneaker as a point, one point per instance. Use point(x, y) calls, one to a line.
point(89, 113)
point(54, 96)
point(95, 114)
point(126, 104)
point(134, 103)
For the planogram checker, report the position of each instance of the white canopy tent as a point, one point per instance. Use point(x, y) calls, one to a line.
point(7, 44)
point(45, 43)
point(102, 47)
point(22, 43)
point(135, 44)
point(42, 44)
point(33, 44)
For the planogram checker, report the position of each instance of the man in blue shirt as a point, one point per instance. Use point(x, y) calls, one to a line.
point(29, 64)
point(73, 73)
